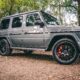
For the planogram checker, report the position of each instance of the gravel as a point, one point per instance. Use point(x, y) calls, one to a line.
point(36, 66)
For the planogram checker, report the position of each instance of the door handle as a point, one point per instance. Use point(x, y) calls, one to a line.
point(15, 34)
point(26, 33)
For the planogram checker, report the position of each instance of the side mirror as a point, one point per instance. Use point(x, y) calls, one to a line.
point(41, 24)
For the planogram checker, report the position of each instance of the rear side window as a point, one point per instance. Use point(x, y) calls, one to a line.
point(17, 22)
point(4, 24)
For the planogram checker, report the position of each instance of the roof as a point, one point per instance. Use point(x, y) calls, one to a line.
point(21, 13)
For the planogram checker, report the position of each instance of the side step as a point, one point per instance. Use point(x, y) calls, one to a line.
point(19, 48)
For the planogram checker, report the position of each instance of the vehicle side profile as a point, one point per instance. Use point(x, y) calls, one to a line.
point(38, 30)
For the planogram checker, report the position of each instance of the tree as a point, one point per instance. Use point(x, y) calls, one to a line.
point(78, 11)
point(8, 7)
point(26, 5)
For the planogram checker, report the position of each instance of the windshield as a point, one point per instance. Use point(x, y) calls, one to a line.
point(50, 20)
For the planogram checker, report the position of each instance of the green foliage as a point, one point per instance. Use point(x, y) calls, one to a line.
point(8, 7)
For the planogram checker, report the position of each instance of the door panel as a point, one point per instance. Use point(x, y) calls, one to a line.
point(33, 35)
point(16, 31)
point(16, 37)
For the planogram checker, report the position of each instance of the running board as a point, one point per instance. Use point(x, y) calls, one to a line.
point(18, 48)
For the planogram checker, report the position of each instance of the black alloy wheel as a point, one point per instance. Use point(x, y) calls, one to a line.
point(65, 51)
point(4, 48)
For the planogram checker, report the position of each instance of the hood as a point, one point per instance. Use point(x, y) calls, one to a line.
point(62, 28)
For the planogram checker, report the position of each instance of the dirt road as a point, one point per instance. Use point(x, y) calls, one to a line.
point(36, 66)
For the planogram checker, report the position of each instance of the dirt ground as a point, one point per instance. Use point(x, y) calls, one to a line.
point(37, 66)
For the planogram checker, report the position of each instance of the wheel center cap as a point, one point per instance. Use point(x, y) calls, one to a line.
point(65, 53)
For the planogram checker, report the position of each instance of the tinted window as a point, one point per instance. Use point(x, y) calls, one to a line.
point(17, 22)
point(32, 19)
point(5, 24)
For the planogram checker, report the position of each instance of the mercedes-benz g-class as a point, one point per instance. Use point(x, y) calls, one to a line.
point(38, 30)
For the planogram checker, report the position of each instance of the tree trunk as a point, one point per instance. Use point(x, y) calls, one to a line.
point(78, 11)
point(12, 2)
